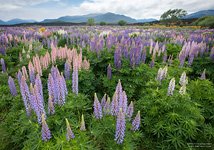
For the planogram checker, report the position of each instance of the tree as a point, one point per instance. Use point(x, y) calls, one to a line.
point(122, 22)
point(173, 15)
point(102, 23)
point(91, 22)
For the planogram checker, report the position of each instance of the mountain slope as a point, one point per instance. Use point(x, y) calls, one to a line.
point(200, 14)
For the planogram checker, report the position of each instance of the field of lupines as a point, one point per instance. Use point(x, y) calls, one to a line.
point(106, 88)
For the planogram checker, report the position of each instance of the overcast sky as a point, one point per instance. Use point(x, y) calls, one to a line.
point(139, 9)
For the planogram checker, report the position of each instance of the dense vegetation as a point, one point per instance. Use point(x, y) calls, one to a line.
point(154, 88)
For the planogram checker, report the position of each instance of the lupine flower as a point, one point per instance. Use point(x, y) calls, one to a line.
point(25, 95)
point(182, 90)
point(114, 105)
point(107, 107)
point(19, 76)
point(103, 101)
point(160, 75)
point(109, 72)
point(67, 70)
point(39, 104)
point(136, 122)
point(183, 79)
point(203, 75)
point(12, 86)
point(46, 134)
point(120, 127)
point(69, 133)
point(61, 100)
point(165, 70)
point(75, 80)
point(97, 108)
point(3, 66)
point(124, 102)
point(82, 125)
point(51, 109)
point(171, 87)
point(130, 111)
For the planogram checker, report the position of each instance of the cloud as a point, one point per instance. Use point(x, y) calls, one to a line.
point(138, 9)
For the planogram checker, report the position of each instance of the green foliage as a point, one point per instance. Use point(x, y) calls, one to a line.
point(207, 21)
point(102, 23)
point(122, 23)
point(91, 22)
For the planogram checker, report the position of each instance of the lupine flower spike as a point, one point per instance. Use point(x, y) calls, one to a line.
point(120, 127)
point(46, 134)
point(82, 125)
point(97, 108)
point(136, 122)
point(171, 87)
point(12, 86)
point(130, 111)
point(203, 75)
point(69, 133)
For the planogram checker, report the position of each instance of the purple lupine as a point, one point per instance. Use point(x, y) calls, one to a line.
point(38, 83)
point(51, 109)
point(124, 102)
point(117, 58)
point(46, 134)
point(64, 84)
point(103, 101)
point(39, 104)
point(212, 53)
point(19, 76)
point(61, 100)
point(3, 66)
point(51, 88)
point(114, 105)
point(107, 107)
point(203, 75)
point(109, 72)
point(12, 86)
point(67, 70)
point(119, 92)
point(130, 111)
point(69, 132)
point(171, 87)
point(82, 124)
point(32, 75)
point(97, 108)
point(136, 122)
point(120, 127)
point(25, 95)
point(75, 80)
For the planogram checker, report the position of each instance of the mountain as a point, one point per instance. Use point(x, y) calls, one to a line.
point(146, 20)
point(200, 14)
point(2, 22)
point(16, 21)
point(107, 17)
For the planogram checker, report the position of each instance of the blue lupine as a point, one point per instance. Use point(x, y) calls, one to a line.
point(19, 76)
point(46, 134)
point(69, 132)
point(3, 66)
point(97, 108)
point(75, 80)
point(103, 101)
point(25, 95)
point(114, 105)
point(67, 70)
point(51, 109)
point(12, 86)
point(120, 127)
point(136, 122)
point(130, 111)
point(109, 72)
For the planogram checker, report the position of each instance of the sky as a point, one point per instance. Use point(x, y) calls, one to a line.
point(139, 9)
